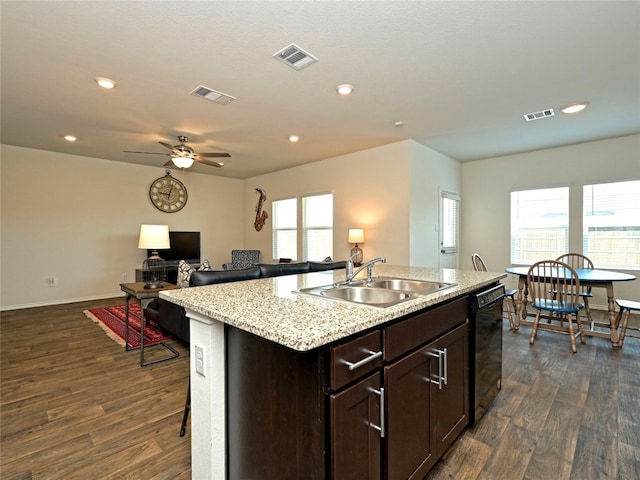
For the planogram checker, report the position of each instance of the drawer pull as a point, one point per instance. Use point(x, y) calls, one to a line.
point(364, 361)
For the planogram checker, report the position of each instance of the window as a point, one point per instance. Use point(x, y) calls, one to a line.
point(316, 237)
point(611, 224)
point(317, 227)
point(539, 224)
point(285, 228)
point(449, 222)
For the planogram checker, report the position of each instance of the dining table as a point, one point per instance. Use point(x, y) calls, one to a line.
point(588, 277)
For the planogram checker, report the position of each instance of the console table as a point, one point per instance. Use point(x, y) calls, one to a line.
point(144, 296)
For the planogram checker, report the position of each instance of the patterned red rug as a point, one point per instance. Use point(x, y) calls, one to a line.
point(112, 321)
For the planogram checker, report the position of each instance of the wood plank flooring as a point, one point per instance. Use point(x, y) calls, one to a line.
point(559, 416)
point(75, 405)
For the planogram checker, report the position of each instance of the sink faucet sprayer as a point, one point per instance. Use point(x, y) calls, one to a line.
point(369, 266)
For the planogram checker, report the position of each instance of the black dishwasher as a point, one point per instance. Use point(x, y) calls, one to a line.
point(485, 356)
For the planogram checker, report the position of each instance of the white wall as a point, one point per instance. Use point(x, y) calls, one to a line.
point(487, 186)
point(392, 192)
point(78, 218)
point(431, 172)
point(370, 191)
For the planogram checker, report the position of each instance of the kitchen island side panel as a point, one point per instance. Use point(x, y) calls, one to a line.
point(276, 410)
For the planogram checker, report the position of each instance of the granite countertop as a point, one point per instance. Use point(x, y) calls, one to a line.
point(269, 308)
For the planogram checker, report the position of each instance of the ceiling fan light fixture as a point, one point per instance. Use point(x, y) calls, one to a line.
point(106, 83)
point(182, 162)
point(574, 107)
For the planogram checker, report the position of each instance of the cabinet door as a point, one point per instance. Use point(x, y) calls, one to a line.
point(355, 431)
point(427, 404)
point(450, 406)
point(408, 391)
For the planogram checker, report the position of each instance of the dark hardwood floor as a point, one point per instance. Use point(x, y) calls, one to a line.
point(75, 405)
point(560, 415)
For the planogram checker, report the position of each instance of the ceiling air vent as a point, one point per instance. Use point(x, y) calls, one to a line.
point(295, 57)
point(538, 115)
point(216, 97)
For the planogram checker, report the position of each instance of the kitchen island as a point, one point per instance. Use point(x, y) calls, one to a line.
point(262, 359)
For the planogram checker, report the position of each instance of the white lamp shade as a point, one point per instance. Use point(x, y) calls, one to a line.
point(154, 237)
point(356, 235)
point(182, 162)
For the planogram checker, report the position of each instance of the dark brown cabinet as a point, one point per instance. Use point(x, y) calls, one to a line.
point(355, 431)
point(450, 408)
point(385, 404)
point(426, 404)
point(410, 448)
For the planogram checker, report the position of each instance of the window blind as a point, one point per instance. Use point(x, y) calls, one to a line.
point(611, 224)
point(539, 224)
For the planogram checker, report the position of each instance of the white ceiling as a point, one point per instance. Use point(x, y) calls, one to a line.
point(460, 75)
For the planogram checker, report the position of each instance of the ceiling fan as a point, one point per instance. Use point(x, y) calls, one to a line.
point(183, 156)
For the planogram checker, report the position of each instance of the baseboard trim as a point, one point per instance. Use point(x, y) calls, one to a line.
point(6, 308)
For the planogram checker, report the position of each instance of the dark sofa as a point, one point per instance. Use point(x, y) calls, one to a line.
point(172, 318)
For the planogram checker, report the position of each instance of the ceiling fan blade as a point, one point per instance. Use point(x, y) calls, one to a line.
point(169, 164)
point(214, 155)
point(170, 147)
point(147, 153)
point(211, 164)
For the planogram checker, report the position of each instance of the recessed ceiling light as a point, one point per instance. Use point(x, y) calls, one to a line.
point(294, 138)
point(574, 107)
point(106, 83)
point(344, 89)
point(70, 138)
point(399, 123)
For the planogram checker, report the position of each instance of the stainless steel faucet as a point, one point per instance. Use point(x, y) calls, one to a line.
point(369, 266)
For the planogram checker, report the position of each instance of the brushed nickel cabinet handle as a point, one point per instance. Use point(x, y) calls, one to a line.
point(380, 428)
point(442, 367)
point(372, 356)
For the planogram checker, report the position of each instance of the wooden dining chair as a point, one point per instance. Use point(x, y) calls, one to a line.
point(577, 260)
point(555, 290)
point(509, 294)
point(478, 263)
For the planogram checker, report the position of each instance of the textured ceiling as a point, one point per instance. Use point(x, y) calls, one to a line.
point(460, 75)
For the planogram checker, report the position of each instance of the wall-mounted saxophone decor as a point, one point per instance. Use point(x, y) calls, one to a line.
point(261, 216)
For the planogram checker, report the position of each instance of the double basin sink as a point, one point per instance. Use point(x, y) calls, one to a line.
point(380, 292)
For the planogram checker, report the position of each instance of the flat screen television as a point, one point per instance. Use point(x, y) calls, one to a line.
point(184, 246)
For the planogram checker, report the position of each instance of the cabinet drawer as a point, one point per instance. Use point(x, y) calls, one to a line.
point(352, 359)
point(412, 332)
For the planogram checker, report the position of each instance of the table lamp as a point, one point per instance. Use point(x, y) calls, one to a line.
point(154, 268)
point(356, 235)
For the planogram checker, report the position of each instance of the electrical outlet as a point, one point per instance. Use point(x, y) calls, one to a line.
point(200, 360)
point(124, 277)
point(53, 282)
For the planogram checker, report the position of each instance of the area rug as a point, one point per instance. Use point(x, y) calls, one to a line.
point(112, 321)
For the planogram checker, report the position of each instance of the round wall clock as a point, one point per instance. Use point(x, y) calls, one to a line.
point(168, 194)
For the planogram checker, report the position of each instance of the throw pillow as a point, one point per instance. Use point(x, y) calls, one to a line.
point(185, 270)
